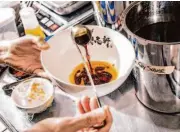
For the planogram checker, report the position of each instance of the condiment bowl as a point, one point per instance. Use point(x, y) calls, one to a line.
point(21, 92)
point(63, 57)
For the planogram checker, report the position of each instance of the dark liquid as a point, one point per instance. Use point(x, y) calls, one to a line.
point(161, 32)
point(82, 40)
point(88, 58)
point(99, 76)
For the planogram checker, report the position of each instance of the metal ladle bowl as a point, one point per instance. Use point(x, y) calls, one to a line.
point(81, 35)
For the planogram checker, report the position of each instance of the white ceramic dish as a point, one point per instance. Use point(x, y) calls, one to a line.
point(35, 106)
point(62, 57)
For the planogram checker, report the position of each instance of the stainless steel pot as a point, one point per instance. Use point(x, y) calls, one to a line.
point(157, 70)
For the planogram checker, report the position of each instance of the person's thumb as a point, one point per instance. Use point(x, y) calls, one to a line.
point(40, 43)
point(89, 119)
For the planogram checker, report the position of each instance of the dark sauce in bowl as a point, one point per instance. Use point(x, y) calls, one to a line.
point(103, 72)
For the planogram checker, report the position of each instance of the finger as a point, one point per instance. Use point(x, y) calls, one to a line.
point(39, 41)
point(85, 130)
point(23, 64)
point(41, 73)
point(35, 46)
point(85, 103)
point(92, 130)
point(80, 107)
point(41, 44)
point(109, 120)
point(25, 39)
point(3, 58)
point(32, 67)
point(12, 63)
point(89, 119)
point(89, 130)
point(80, 131)
point(93, 103)
point(95, 130)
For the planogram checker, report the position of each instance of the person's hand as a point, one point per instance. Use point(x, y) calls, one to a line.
point(89, 117)
point(24, 54)
point(86, 105)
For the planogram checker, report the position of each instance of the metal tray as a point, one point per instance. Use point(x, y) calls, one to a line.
point(64, 7)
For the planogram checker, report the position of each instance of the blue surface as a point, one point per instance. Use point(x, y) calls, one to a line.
point(48, 37)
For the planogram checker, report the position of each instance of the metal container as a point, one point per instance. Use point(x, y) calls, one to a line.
point(157, 70)
point(64, 7)
point(108, 12)
point(8, 29)
point(12, 4)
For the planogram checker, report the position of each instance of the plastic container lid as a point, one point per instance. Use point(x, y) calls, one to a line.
point(28, 18)
point(7, 15)
point(26, 12)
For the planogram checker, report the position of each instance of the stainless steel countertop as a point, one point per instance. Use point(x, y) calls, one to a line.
point(129, 115)
point(132, 116)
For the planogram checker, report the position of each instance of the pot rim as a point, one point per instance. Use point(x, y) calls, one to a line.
point(141, 40)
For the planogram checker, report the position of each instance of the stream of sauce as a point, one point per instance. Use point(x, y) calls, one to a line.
point(101, 72)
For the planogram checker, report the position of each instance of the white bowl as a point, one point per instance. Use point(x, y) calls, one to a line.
point(22, 102)
point(62, 57)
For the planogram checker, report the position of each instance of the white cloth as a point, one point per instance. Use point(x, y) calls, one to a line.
point(12, 113)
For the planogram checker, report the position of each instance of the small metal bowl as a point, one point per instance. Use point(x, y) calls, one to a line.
point(36, 106)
